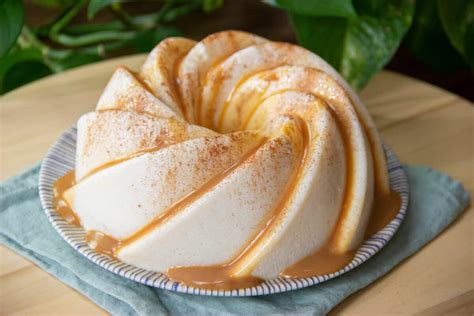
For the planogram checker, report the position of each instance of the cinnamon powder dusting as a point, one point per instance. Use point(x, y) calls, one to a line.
point(237, 273)
point(60, 204)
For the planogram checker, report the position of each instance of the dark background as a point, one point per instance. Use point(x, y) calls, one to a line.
point(259, 18)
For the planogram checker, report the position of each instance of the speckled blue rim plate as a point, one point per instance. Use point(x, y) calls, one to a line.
point(60, 159)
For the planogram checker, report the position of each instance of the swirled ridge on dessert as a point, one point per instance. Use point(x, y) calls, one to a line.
point(228, 161)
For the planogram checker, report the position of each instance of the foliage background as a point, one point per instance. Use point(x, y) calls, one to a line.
point(430, 39)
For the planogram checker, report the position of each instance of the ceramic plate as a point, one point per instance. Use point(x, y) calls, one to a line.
point(60, 159)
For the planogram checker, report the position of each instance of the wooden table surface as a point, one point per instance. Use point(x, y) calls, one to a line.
point(423, 124)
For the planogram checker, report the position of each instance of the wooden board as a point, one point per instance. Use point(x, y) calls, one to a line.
point(423, 124)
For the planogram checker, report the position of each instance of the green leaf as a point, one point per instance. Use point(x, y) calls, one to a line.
point(324, 36)
point(71, 59)
point(211, 5)
point(358, 47)
point(428, 41)
point(23, 73)
point(457, 17)
point(79, 29)
point(147, 40)
point(97, 5)
point(369, 7)
point(171, 13)
point(16, 56)
point(53, 3)
point(94, 38)
point(318, 8)
point(11, 22)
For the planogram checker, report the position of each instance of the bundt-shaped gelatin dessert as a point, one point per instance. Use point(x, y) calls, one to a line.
point(228, 161)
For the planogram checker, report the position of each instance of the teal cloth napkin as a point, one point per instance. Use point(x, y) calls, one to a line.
point(435, 201)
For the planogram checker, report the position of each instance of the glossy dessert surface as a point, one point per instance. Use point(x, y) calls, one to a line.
point(227, 162)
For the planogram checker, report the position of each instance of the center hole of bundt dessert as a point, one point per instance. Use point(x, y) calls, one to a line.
point(265, 122)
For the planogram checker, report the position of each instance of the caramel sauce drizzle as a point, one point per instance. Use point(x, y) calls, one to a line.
point(384, 209)
point(125, 158)
point(349, 187)
point(386, 202)
point(108, 245)
point(382, 185)
point(175, 87)
point(324, 261)
point(382, 196)
point(188, 199)
point(237, 273)
point(198, 106)
point(236, 88)
point(205, 119)
point(62, 207)
point(102, 243)
point(260, 94)
point(349, 183)
point(248, 119)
